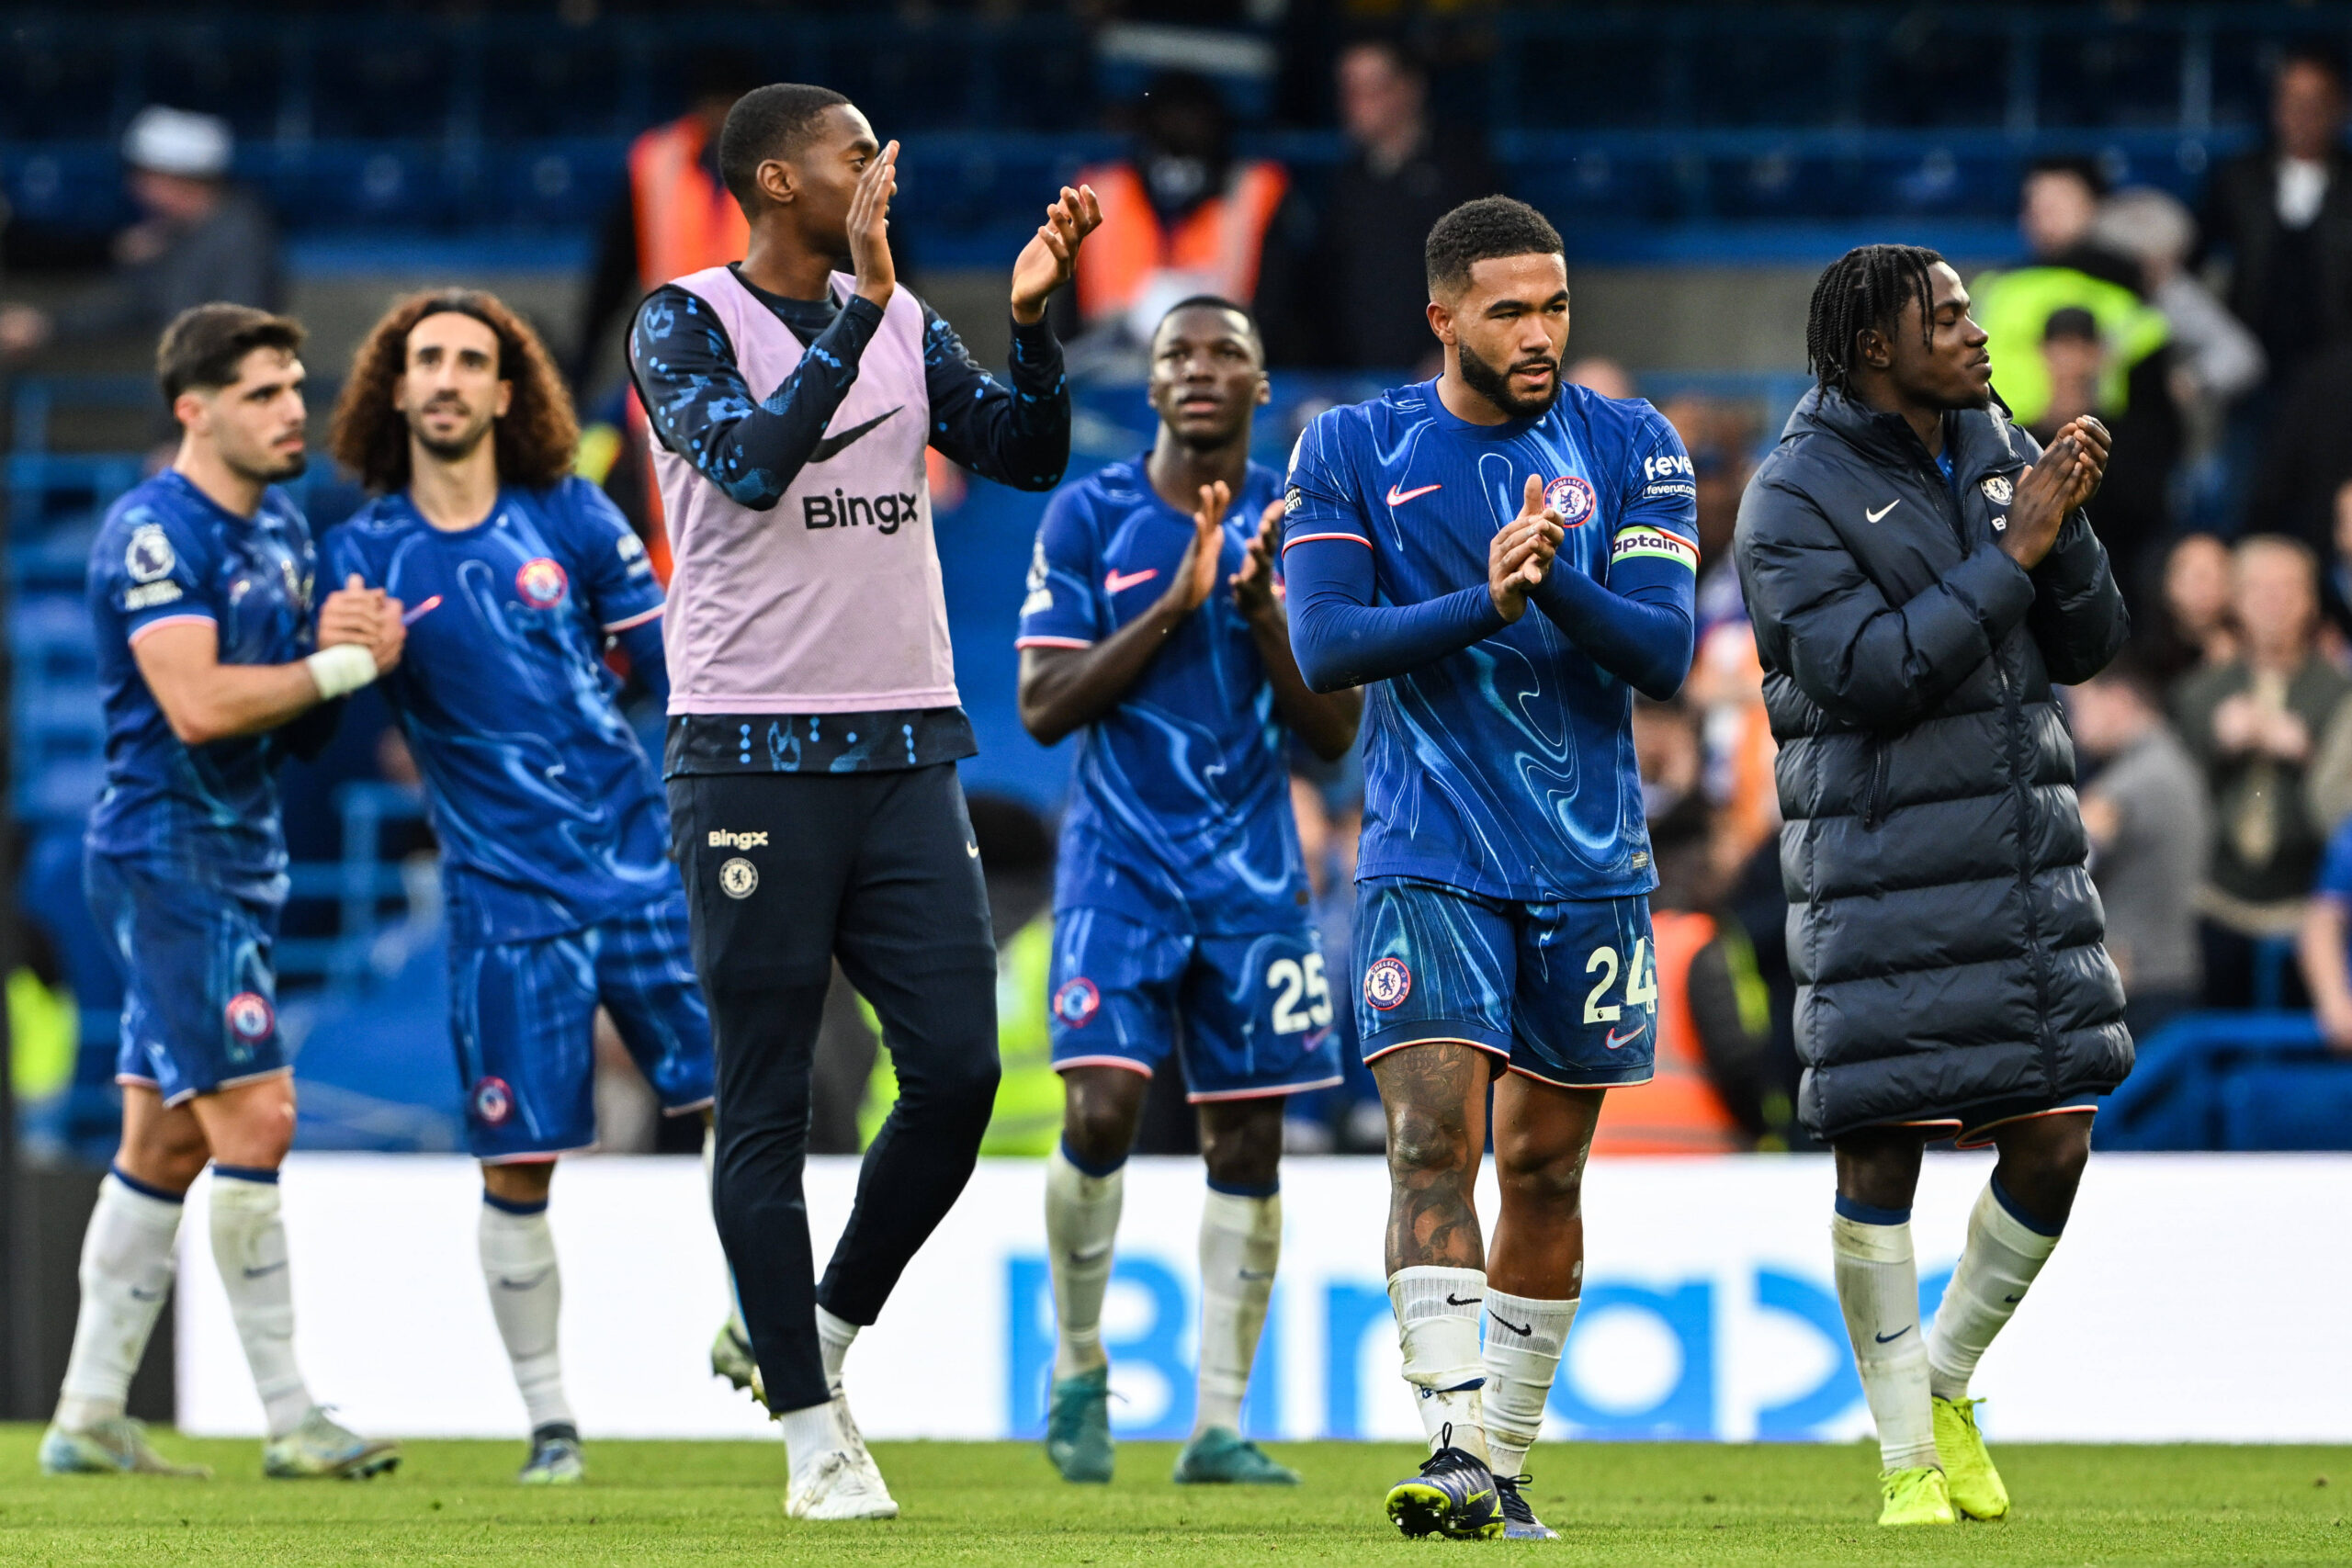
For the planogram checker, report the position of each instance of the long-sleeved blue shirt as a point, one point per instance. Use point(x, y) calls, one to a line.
point(1499, 758)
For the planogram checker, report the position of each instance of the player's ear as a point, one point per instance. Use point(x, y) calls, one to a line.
point(189, 409)
point(1440, 319)
point(1872, 348)
point(778, 180)
point(505, 400)
point(1265, 389)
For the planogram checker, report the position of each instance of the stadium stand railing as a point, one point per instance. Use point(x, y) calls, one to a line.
point(1647, 129)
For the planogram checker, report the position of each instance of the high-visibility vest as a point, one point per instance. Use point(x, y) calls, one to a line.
point(2015, 307)
point(1677, 1112)
point(1214, 249)
point(686, 219)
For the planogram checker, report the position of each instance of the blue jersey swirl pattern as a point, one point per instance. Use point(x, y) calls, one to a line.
point(166, 553)
point(1504, 768)
point(549, 816)
point(1180, 818)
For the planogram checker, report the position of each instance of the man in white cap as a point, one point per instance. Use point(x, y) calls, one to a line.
point(200, 239)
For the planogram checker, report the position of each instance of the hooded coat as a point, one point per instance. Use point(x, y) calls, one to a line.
point(1946, 940)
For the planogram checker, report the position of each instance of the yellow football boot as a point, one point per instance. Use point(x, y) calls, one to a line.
point(1915, 1497)
point(1975, 1486)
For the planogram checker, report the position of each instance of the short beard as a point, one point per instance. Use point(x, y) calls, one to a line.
point(286, 468)
point(457, 448)
point(1495, 385)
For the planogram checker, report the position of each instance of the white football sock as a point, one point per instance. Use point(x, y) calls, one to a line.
point(709, 1181)
point(2003, 1257)
point(1241, 1240)
point(126, 1274)
point(518, 1265)
point(1524, 1341)
point(1437, 1324)
point(833, 1337)
point(249, 1249)
point(1878, 1290)
point(809, 1434)
point(1082, 1220)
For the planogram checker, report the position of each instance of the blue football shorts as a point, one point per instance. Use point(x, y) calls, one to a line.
point(1247, 1017)
point(523, 1017)
point(1563, 991)
point(199, 995)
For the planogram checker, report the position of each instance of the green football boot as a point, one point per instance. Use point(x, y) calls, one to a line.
point(1915, 1497)
point(1221, 1456)
point(1976, 1485)
point(731, 1357)
point(1077, 1427)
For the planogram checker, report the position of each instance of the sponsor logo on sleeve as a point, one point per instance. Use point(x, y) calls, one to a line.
point(1637, 542)
point(149, 555)
point(1292, 502)
point(149, 596)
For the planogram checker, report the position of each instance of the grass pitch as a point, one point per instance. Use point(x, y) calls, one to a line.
point(986, 1505)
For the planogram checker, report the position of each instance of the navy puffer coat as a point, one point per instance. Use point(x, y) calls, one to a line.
point(1945, 937)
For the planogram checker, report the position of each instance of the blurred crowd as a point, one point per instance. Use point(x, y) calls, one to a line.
point(2215, 342)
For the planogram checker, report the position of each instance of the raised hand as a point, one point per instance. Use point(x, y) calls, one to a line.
point(1253, 585)
point(2050, 490)
point(2094, 441)
point(1046, 262)
point(869, 227)
point(1521, 554)
point(1196, 572)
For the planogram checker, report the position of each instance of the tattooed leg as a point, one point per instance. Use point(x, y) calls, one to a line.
point(1435, 1096)
point(1543, 1133)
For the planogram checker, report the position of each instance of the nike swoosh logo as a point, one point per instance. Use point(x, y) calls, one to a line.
point(2010, 1300)
point(973, 851)
point(506, 1284)
point(1891, 1339)
point(1120, 582)
point(1883, 511)
point(266, 1269)
point(1400, 497)
point(1089, 1254)
point(1514, 1327)
point(1453, 1301)
point(1257, 1273)
point(1616, 1040)
point(138, 1295)
point(834, 446)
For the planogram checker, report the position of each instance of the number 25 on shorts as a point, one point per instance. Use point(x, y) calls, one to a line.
point(1291, 978)
point(1641, 982)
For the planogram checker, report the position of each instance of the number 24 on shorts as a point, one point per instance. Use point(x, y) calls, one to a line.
point(1291, 979)
point(1641, 982)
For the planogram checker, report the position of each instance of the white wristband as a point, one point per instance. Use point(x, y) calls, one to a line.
point(341, 670)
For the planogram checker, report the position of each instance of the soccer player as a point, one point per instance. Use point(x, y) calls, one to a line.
point(554, 840)
point(214, 673)
point(814, 722)
point(1921, 574)
point(1501, 928)
point(1180, 901)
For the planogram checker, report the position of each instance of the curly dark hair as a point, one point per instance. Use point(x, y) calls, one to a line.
point(534, 437)
point(1483, 230)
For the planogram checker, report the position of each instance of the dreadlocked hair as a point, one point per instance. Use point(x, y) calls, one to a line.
point(1865, 289)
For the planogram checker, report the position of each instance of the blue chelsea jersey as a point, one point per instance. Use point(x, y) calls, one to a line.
point(1507, 768)
point(167, 554)
point(549, 816)
point(1179, 816)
